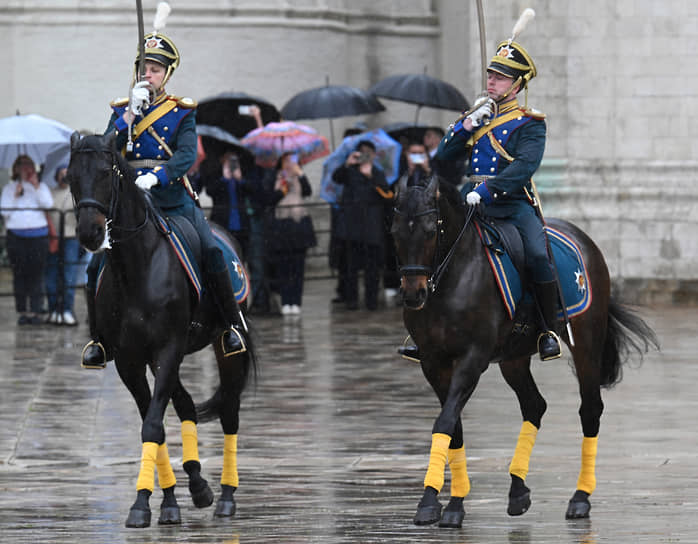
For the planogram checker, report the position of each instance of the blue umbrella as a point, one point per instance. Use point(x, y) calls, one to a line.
point(387, 158)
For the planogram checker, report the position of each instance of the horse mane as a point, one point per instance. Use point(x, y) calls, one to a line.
point(106, 143)
point(452, 195)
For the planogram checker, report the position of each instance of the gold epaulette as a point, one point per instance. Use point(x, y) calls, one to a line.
point(184, 101)
point(535, 114)
point(118, 102)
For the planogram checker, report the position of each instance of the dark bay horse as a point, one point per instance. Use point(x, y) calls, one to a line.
point(149, 316)
point(454, 313)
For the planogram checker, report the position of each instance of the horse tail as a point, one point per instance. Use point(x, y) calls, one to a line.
point(210, 409)
point(626, 331)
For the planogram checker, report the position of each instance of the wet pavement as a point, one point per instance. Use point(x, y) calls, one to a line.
point(334, 441)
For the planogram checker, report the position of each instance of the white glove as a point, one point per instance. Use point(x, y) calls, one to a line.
point(472, 198)
point(140, 97)
point(146, 181)
point(483, 113)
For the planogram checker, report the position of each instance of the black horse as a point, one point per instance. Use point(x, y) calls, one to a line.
point(454, 313)
point(148, 315)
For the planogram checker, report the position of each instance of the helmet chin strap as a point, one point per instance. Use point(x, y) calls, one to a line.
point(516, 82)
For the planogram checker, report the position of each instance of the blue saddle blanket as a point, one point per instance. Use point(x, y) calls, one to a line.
point(571, 270)
point(238, 274)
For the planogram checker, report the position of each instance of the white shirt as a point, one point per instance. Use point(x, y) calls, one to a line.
point(33, 203)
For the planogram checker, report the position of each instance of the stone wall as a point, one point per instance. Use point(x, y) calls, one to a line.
point(614, 80)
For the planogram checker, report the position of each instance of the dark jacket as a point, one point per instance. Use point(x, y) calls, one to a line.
point(361, 207)
point(286, 234)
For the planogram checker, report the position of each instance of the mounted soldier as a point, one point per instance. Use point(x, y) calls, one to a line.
point(505, 143)
point(156, 132)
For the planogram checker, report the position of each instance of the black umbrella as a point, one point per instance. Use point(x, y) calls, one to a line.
point(329, 102)
point(421, 89)
point(217, 141)
point(410, 131)
point(222, 110)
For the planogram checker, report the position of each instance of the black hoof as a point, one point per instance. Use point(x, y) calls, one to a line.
point(225, 509)
point(202, 497)
point(452, 518)
point(426, 515)
point(169, 515)
point(519, 505)
point(579, 506)
point(138, 518)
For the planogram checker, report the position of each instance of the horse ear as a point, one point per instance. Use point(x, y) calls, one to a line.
point(74, 139)
point(401, 185)
point(433, 186)
point(111, 139)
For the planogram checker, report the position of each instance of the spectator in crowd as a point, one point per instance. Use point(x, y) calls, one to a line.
point(450, 170)
point(416, 163)
point(23, 203)
point(291, 232)
point(228, 190)
point(63, 259)
point(337, 248)
point(365, 190)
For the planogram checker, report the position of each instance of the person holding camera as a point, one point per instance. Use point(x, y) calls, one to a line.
point(291, 232)
point(228, 188)
point(23, 204)
point(417, 167)
point(364, 194)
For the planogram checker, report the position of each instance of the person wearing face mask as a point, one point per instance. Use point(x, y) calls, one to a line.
point(505, 141)
point(23, 204)
point(156, 132)
point(418, 161)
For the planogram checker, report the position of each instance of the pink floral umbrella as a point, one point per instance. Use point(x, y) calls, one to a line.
point(271, 141)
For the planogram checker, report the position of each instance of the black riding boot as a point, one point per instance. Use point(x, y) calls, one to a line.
point(548, 340)
point(93, 354)
point(231, 340)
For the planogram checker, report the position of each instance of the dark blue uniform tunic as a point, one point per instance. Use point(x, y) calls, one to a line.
point(177, 128)
point(503, 158)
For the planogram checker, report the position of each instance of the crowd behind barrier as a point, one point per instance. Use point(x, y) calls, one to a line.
point(318, 266)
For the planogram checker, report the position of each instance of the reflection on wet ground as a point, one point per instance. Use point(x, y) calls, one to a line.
point(334, 442)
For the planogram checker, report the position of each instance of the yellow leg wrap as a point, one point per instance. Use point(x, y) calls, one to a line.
point(146, 476)
point(230, 460)
point(190, 442)
point(524, 447)
point(437, 461)
point(460, 483)
point(166, 476)
point(587, 475)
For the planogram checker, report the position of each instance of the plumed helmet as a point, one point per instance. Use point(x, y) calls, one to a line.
point(158, 47)
point(161, 49)
point(512, 60)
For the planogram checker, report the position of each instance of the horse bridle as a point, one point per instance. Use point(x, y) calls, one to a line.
point(434, 278)
point(109, 213)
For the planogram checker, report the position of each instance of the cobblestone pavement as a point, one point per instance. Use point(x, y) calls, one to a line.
point(334, 442)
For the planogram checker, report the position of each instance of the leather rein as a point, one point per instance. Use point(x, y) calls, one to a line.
point(439, 269)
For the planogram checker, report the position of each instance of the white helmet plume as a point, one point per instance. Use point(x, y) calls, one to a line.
point(524, 19)
point(163, 10)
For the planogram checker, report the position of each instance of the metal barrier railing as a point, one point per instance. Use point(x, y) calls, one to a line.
point(317, 258)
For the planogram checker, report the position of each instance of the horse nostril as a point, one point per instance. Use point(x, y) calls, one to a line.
point(97, 232)
point(422, 293)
